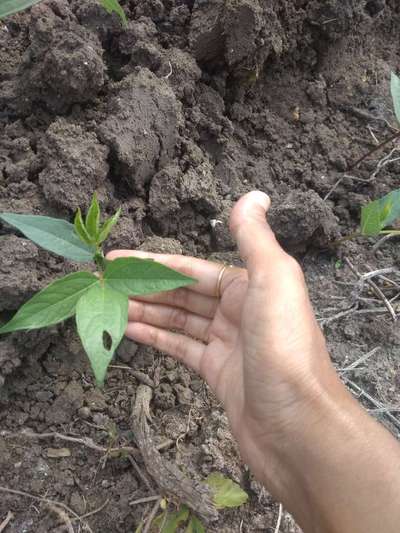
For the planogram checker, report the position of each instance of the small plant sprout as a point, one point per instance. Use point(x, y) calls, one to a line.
point(9, 7)
point(98, 300)
point(226, 494)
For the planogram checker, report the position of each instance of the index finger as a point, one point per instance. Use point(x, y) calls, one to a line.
point(205, 272)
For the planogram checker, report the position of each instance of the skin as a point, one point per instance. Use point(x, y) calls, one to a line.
point(262, 352)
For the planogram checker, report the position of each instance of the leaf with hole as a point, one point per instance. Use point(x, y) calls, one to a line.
point(395, 90)
point(195, 526)
point(52, 234)
point(9, 7)
point(113, 6)
point(379, 214)
point(227, 493)
point(134, 276)
point(52, 305)
point(101, 318)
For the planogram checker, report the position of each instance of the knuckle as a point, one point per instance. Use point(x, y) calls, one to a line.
point(178, 319)
point(179, 297)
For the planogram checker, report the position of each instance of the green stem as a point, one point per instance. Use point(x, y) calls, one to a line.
point(390, 232)
point(347, 238)
point(100, 260)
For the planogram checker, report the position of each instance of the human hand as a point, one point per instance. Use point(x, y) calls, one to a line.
point(258, 345)
point(252, 335)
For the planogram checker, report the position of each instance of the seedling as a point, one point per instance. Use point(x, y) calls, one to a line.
point(9, 7)
point(226, 494)
point(99, 300)
point(377, 216)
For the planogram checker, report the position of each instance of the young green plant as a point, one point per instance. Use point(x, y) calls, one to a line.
point(98, 300)
point(226, 494)
point(9, 7)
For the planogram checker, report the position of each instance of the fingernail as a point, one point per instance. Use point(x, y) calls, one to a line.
point(261, 199)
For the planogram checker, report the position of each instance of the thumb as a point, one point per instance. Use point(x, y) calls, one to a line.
point(257, 244)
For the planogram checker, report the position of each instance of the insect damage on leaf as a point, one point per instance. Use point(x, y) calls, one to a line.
point(100, 301)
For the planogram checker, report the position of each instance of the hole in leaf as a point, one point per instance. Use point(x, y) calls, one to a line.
point(107, 340)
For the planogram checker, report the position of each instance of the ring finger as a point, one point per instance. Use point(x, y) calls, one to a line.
point(170, 318)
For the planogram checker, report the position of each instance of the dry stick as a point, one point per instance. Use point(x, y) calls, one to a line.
point(374, 287)
point(166, 474)
point(85, 441)
point(145, 500)
point(6, 521)
point(152, 516)
point(278, 524)
point(95, 511)
point(44, 500)
point(362, 393)
point(63, 517)
point(382, 241)
point(362, 359)
point(386, 160)
point(375, 149)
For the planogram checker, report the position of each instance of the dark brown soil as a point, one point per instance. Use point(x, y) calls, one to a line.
point(174, 118)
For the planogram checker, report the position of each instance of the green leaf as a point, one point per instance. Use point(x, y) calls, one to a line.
point(195, 526)
point(113, 6)
point(134, 276)
point(226, 492)
point(81, 229)
point(92, 221)
point(53, 304)
point(101, 318)
point(53, 234)
point(139, 529)
point(381, 213)
point(173, 520)
point(395, 90)
point(8, 7)
point(107, 227)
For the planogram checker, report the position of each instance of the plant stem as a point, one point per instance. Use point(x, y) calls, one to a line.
point(347, 238)
point(100, 260)
point(390, 232)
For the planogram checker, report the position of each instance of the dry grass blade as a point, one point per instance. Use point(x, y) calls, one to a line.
point(6, 521)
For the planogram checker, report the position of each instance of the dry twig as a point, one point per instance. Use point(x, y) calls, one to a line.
point(367, 279)
point(6, 521)
point(278, 523)
point(47, 502)
point(167, 475)
point(152, 516)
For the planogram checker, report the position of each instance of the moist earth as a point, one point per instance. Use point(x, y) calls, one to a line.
point(172, 119)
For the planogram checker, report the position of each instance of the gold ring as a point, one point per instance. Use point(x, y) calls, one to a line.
point(220, 278)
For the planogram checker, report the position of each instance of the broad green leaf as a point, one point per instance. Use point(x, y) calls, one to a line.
point(55, 303)
point(107, 227)
point(53, 234)
point(226, 492)
point(92, 221)
point(195, 526)
point(134, 276)
point(113, 6)
point(395, 90)
point(81, 229)
point(171, 523)
point(381, 213)
point(101, 318)
point(8, 7)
